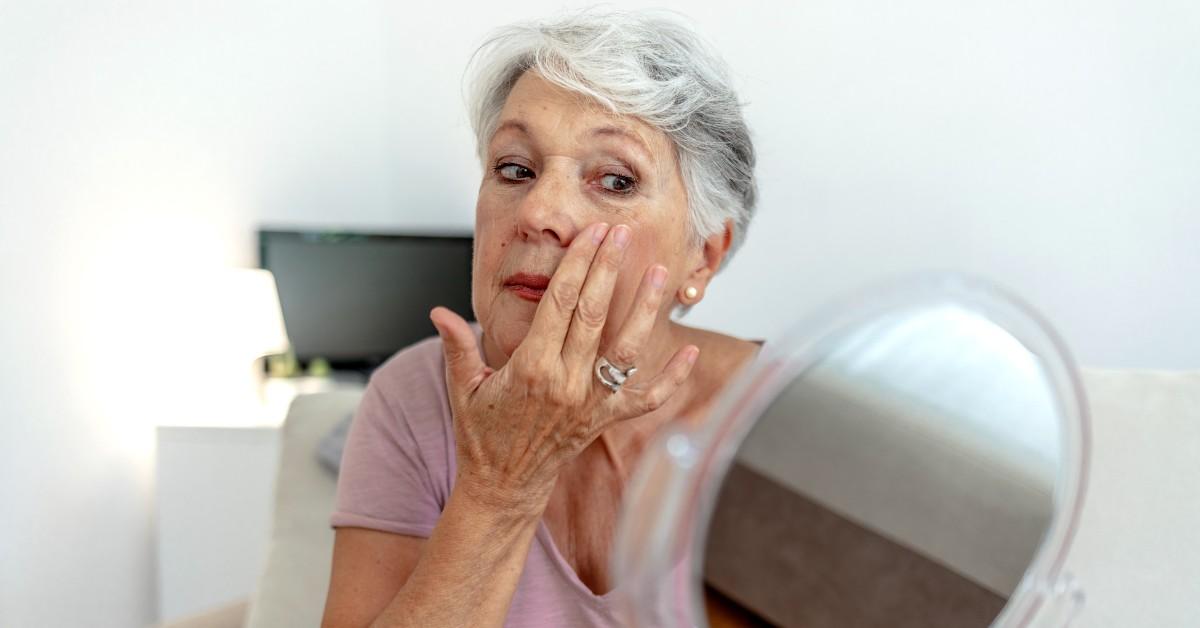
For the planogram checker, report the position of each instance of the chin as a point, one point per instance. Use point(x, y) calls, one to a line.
point(507, 333)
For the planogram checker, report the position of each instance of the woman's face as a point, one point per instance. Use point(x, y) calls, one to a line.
point(557, 163)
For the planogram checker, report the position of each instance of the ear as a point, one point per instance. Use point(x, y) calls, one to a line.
point(708, 261)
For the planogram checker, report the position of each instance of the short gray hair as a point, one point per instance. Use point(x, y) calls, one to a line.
point(647, 64)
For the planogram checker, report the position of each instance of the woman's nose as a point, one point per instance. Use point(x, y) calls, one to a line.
point(551, 211)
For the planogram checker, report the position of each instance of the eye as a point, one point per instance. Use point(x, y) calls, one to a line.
point(513, 172)
point(618, 183)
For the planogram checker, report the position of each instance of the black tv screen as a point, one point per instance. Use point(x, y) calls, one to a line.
point(355, 299)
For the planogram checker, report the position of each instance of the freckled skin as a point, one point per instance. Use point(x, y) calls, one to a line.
point(525, 226)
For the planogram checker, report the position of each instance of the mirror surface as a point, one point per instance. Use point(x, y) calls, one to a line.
point(905, 479)
point(914, 461)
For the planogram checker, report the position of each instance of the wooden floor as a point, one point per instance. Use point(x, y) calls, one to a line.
point(726, 613)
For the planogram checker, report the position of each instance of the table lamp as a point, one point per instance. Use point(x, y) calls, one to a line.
point(228, 320)
point(256, 329)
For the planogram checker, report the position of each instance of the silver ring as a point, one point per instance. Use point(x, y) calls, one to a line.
point(611, 375)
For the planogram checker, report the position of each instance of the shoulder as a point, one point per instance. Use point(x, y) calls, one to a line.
point(408, 394)
point(418, 367)
point(723, 355)
point(415, 375)
point(721, 358)
point(398, 465)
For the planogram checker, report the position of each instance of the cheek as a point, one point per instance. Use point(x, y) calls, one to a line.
point(666, 249)
point(487, 262)
point(637, 262)
point(485, 266)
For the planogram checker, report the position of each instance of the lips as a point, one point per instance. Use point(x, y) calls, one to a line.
point(527, 286)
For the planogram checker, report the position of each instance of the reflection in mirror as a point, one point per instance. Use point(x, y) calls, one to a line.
point(906, 478)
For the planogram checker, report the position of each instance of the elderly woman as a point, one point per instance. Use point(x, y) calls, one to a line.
point(483, 474)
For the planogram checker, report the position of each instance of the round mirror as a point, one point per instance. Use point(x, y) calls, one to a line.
point(913, 457)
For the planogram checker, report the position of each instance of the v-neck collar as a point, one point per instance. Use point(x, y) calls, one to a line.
point(544, 537)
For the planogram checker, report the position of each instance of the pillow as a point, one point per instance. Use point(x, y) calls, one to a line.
point(329, 448)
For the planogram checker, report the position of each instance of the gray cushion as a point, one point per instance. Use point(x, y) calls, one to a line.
point(329, 450)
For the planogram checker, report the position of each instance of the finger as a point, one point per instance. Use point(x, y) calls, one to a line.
point(465, 368)
point(637, 400)
point(624, 349)
point(553, 316)
point(587, 323)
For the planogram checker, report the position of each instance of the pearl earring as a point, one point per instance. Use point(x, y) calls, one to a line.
point(691, 292)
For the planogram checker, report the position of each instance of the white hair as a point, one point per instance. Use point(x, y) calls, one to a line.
point(646, 64)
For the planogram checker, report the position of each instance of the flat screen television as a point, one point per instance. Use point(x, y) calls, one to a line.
point(356, 298)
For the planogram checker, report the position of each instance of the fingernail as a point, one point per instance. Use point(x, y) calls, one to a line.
point(693, 354)
point(621, 236)
point(598, 232)
point(658, 277)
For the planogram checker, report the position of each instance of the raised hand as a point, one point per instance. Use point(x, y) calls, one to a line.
point(516, 427)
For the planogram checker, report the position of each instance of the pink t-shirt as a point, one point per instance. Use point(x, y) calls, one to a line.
point(399, 466)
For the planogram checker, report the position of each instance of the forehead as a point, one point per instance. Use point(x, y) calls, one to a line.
point(539, 108)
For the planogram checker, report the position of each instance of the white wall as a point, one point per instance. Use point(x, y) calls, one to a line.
point(1052, 147)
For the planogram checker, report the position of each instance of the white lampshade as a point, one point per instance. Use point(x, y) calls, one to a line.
point(225, 320)
point(232, 316)
point(229, 316)
point(256, 325)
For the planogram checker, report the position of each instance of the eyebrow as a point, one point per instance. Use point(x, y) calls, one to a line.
point(609, 131)
point(512, 124)
point(617, 131)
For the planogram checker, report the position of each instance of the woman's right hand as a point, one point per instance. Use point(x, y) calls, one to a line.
point(518, 426)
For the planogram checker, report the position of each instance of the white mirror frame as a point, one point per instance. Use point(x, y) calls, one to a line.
point(661, 534)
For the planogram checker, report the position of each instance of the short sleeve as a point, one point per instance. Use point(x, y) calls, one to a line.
point(385, 482)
